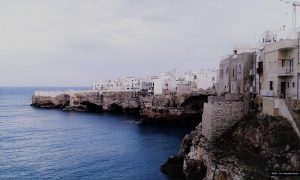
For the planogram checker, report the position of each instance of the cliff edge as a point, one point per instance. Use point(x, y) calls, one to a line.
point(252, 149)
point(171, 108)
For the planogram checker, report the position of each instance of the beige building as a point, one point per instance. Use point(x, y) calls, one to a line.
point(278, 69)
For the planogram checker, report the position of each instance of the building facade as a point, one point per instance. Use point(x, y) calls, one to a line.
point(278, 69)
point(237, 73)
point(169, 82)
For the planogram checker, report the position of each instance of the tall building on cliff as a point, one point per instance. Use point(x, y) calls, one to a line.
point(279, 66)
point(278, 70)
point(237, 72)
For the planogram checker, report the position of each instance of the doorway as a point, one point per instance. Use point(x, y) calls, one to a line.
point(283, 90)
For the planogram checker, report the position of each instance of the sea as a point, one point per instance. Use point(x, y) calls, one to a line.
point(53, 144)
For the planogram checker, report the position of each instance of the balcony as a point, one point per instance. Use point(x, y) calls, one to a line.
point(267, 93)
point(285, 71)
point(287, 44)
point(285, 67)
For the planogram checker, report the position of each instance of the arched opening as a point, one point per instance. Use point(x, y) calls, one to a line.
point(115, 108)
point(92, 107)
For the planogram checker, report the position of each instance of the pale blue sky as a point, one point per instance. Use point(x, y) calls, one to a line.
point(77, 42)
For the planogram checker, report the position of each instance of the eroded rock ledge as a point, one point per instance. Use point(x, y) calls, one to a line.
point(173, 108)
point(254, 147)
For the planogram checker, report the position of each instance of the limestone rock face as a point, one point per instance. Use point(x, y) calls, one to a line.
point(173, 167)
point(253, 148)
point(58, 101)
point(85, 101)
point(183, 108)
point(121, 101)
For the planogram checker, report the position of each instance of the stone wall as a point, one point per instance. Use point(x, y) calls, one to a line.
point(216, 98)
point(221, 113)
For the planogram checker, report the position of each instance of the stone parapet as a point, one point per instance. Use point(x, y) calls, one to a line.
point(221, 113)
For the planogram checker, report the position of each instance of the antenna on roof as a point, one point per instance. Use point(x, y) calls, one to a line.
point(294, 4)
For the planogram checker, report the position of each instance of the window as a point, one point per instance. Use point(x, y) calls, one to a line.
point(271, 85)
point(293, 84)
point(288, 84)
point(213, 78)
point(233, 73)
point(239, 68)
point(221, 73)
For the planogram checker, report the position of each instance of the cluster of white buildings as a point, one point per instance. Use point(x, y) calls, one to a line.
point(168, 82)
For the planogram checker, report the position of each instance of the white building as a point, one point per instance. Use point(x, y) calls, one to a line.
point(158, 85)
point(172, 81)
point(120, 84)
point(205, 79)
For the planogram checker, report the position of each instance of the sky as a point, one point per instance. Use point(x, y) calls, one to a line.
point(78, 42)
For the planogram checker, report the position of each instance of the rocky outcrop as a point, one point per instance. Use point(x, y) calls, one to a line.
point(121, 102)
point(173, 108)
point(253, 148)
point(58, 101)
point(167, 108)
point(69, 101)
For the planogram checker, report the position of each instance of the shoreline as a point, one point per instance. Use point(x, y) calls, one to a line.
point(203, 152)
point(165, 109)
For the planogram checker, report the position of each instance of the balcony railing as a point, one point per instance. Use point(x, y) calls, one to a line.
point(285, 67)
point(285, 70)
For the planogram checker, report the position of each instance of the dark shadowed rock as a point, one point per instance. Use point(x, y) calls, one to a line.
point(173, 167)
point(254, 147)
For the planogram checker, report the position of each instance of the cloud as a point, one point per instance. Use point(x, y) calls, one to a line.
point(75, 42)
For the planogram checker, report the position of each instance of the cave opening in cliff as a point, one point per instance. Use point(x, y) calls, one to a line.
point(115, 108)
point(195, 103)
point(92, 107)
point(195, 169)
point(203, 171)
point(193, 108)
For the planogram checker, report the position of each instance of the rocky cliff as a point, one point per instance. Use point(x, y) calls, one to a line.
point(175, 108)
point(49, 101)
point(254, 147)
point(185, 107)
point(69, 101)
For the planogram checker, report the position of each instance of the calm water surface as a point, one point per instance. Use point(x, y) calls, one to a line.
point(52, 144)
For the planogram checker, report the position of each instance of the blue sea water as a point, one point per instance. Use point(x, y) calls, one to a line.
point(52, 144)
